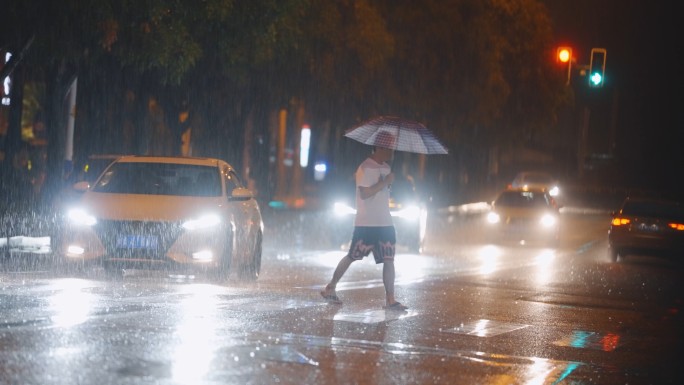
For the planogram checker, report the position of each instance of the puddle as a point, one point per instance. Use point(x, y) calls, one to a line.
point(278, 305)
point(583, 339)
point(524, 370)
point(485, 328)
point(281, 353)
point(373, 316)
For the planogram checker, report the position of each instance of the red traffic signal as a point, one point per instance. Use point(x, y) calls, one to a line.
point(564, 54)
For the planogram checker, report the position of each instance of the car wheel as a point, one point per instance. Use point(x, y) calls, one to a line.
point(63, 266)
point(614, 254)
point(411, 240)
point(414, 245)
point(250, 270)
point(340, 240)
point(414, 248)
point(113, 270)
point(221, 272)
point(80, 269)
point(554, 243)
point(493, 238)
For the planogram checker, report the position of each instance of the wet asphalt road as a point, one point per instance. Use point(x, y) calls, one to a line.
point(479, 314)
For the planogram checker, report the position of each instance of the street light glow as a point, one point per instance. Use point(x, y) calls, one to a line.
point(304, 146)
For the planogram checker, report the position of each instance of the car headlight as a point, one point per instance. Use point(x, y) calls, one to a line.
point(493, 217)
point(341, 209)
point(409, 212)
point(548, 220)
point(80, 217)
point(203, 222)
point(554, 191)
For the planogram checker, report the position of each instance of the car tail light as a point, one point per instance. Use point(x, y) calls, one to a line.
point(620, 221)
point(676, 226)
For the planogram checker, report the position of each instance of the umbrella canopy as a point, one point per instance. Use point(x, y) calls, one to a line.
point(398, 134)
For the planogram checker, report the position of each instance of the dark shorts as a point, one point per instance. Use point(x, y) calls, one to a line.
point(380, 240)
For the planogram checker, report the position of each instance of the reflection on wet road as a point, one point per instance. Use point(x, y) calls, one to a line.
point(478, 313)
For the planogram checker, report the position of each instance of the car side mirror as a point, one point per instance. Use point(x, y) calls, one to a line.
point(241, 193)
point(81, 186)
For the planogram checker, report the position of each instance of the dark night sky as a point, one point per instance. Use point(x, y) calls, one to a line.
point(644, 45)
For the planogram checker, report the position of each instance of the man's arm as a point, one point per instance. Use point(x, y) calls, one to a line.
point(367, 192)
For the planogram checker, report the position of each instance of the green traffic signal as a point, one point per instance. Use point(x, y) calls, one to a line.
point(597, 67)
point(596, 79)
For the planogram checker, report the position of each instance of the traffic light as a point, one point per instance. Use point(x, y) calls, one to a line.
point(597, 67)
point(564, 54)
point(564, 57)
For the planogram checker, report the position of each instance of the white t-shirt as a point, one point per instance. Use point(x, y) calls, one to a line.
point(373, 211)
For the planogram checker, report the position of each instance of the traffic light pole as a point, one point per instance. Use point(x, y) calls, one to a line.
point(582, 141)
point(594, 71)
point(597, 67)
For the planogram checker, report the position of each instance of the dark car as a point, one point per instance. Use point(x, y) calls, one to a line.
point(524, 215)
point(408, 211)
point(647, 226)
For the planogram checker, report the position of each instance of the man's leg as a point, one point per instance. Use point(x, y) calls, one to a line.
point(386, 247)
point(341, 268)
point(356, 249)
point(388, 280)
point(329, 292)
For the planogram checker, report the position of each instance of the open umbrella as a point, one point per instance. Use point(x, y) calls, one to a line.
point(398, 134)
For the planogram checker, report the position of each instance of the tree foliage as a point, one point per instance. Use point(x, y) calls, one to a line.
point(477, 72)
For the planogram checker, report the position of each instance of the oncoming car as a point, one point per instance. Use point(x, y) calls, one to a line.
point(171, 212)
point(408, 212)
point(536, 180)
point(525, 216)
point(647, 226)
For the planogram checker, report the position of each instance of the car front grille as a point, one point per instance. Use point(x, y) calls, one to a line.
point(137, 239)
point(512, 221)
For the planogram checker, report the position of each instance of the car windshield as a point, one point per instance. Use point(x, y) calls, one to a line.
point(653, 209)
point(522, 199)
point(538, 179)
point(160, 179)
point(94, 167)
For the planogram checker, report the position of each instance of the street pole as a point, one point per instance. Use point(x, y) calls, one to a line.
point(69, 144)
point(613, 122)
point(297, 172)
point(280, 159)
point(582, 143)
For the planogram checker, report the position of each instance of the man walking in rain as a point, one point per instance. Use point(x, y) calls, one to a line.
point(373, 227)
